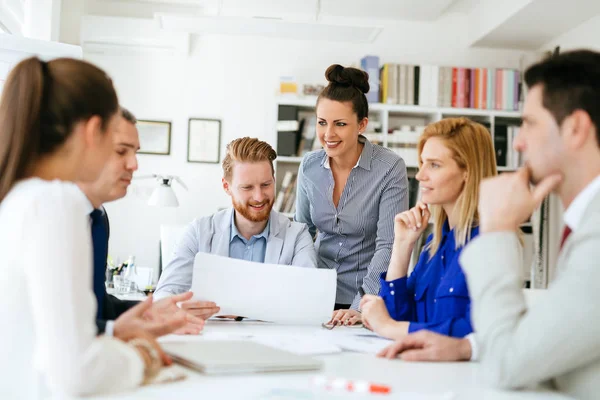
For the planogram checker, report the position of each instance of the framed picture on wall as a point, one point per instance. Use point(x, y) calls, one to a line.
point(204, 140)
point(155, 137)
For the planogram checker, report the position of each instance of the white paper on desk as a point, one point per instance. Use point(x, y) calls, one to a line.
point(298, 344)
point(362, 342)
point(294, 343)
point(268, 292)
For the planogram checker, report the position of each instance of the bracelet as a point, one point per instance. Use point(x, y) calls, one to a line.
point(152, 362)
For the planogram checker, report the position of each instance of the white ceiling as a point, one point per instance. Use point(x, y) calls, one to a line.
point(538, 22)
point(514, 24)
point(415, 10)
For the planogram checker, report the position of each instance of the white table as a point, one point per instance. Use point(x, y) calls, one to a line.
point(407, 380)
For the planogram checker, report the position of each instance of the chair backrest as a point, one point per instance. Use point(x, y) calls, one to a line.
point(169, 235)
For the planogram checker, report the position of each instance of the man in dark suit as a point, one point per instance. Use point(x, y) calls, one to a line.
point(119, 317)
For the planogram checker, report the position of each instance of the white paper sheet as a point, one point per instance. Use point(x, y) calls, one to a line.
point(302, 344)
point(363, 343)
point(277, 293)
point(358, 340)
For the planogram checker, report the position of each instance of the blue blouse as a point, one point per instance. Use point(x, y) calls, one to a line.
point(435, 297)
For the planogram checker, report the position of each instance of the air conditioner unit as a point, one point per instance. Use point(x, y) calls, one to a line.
point(123, 36)
point(270, 27)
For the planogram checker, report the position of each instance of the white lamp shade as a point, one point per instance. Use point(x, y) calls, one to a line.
point(163, 196)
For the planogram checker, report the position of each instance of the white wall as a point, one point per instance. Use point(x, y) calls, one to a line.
point(235, 79)
point(586, 35)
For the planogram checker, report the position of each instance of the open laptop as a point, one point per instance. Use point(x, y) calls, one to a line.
point(215, 357)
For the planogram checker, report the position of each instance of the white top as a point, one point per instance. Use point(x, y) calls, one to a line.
point(48, 343)
point(574, 213)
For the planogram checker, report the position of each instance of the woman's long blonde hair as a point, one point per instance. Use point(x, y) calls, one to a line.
point(473, 150)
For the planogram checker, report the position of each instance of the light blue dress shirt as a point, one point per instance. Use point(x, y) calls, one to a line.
point(249, 250)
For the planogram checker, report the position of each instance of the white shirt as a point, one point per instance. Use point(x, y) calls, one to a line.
point(574, 213)
point(48, 343)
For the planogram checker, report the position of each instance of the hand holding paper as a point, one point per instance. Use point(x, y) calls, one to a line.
point(269, 292)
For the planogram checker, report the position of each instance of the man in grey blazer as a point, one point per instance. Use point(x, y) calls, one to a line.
point(249, 230)
point(554, 340)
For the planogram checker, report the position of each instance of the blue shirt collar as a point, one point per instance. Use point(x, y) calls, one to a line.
point(446, 231)
point(235, 232)
point(446, 227)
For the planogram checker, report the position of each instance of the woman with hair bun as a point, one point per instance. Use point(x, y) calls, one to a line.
point(349, 192)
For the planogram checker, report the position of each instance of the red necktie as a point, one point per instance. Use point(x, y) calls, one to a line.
point(565, 235)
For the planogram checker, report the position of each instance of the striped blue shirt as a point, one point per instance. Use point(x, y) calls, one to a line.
point(244, 249)
point(355, 238)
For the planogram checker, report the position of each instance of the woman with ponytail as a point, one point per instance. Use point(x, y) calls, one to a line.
point(56, 124)
point(350, 191)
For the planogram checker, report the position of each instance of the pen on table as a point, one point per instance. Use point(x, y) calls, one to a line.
point(359, 386)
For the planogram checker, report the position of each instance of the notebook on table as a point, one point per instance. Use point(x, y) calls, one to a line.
point(215, 357)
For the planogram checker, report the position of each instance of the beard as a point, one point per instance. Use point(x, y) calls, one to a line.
point(250, 214)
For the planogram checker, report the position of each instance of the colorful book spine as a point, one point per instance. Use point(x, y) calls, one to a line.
point(417, 83)
point(471, 88)
point(454, 87)
point(484, 91)
point(507, 90)
point(498, 89)
point(410, 85)
point(402, 83)
point(476, 87)
point(441, 86)
point(384, 83)
point(370, 64)
point(491, 85)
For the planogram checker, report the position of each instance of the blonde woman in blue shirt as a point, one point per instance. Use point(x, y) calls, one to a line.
point(455, 155)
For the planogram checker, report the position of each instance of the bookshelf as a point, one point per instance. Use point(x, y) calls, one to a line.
point(404, 124)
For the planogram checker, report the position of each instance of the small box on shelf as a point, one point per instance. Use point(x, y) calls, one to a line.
point(288, 85)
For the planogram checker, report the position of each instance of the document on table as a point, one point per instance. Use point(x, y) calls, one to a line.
point(268, 292)
point(362, 342)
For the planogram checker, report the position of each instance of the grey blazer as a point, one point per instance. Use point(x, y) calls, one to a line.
point(289, 243)
point(554, 341)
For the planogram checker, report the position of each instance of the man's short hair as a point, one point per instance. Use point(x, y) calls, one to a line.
point(247, 149)
point(129, 117)
point(570, 81)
